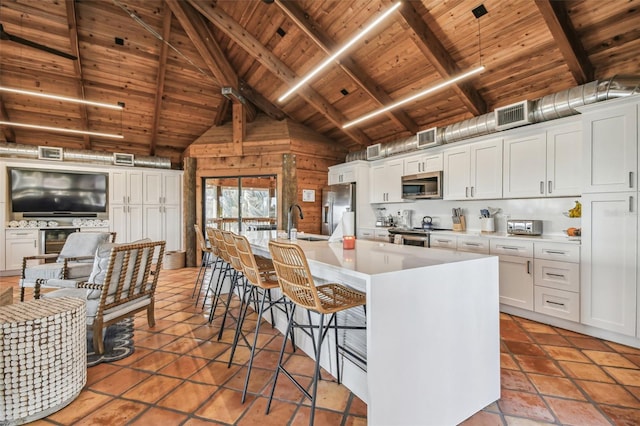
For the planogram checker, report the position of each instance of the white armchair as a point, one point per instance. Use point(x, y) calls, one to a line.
point(74, 262)
point(121, 284)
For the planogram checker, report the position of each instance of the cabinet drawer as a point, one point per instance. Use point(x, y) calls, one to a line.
point(21, 234)
point(365, 234)
point(512, 248)
point(561, 252)
point(381, 234)
point(438, 241)
point(557, 303)
point(474, 245)
point(558, 275)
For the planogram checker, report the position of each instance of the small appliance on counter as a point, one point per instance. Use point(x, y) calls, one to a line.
point(524, 227)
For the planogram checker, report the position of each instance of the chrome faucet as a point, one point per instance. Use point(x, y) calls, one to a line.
point(289, 218)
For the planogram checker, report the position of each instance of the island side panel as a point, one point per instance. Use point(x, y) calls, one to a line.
point(433, 343)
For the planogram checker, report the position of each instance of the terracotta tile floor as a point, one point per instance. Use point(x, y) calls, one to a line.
point(178, 375)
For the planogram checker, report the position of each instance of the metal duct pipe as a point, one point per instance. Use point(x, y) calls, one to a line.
point(550, 107)
point(81, 156)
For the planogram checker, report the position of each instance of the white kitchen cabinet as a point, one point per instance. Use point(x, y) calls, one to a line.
point(342, 173)
point(516, 272)
point(366, 234)
point(611, 147)
point(609, 266)
point(126, 194)
point(473, 244)
point(423, 163)
point(381, 234)
point(544, 163)
point(161, 187)
point(443, 241)
point(163, 222)
point(386, 181)
point(125, 187)
point(474, 171)
point(557, 280)
point(19, 243)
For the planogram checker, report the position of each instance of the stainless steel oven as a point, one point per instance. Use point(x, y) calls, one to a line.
point(52, 239)
point(416, 240)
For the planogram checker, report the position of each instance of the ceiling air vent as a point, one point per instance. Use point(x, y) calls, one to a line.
point(514, 115)
point(374, 152)
point(121, 159)
point(427, 138)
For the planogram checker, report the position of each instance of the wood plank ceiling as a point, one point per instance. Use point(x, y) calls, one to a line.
point(168, 60)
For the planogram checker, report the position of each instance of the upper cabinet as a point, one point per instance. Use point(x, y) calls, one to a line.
point(162, 187)
point(611, 147)
point(543, 163)
point(125, 187)
point(386, 181)
point(342, 173)
point(474, 171)
point(423, 163)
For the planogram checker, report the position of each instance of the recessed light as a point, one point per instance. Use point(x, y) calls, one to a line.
point(281, 32)
point(119, 41)
point(344, 92)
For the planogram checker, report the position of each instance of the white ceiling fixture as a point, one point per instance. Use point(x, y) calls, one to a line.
point(414, 97)
point(61, 129)
point(118, 106)
point(340, 51)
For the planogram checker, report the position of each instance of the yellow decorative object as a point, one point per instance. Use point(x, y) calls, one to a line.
point(576, 211)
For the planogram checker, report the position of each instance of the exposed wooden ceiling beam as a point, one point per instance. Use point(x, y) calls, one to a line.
point(557, 19)
point(435, 52)
point(263, 55)
point(346, 63)
point(261, 102)
point(77, 66)
point(162, 68)
point(9, 134)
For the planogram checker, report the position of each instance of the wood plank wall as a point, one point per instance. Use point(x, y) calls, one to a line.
point(264, 150)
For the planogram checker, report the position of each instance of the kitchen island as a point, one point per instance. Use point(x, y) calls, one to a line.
point(432, 338)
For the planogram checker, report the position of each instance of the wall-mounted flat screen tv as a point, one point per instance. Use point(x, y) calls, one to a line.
point(46, 193)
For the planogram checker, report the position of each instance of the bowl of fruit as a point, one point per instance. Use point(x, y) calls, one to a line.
point(576, 211)
point(573, 232)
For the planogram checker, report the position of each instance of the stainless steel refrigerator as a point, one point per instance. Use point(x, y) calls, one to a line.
point(336, 199)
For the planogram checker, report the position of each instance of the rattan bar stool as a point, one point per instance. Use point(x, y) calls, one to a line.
point(215, 236)
point(261, 278)
point(209, 260)
point(296, 282)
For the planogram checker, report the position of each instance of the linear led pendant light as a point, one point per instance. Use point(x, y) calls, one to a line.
point(416, 96)
point(60, 98)
point(340, 51)
point(61, 129)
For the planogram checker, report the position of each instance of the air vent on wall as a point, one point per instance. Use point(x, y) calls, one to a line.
point(49, 153)
point(514, 115)
point(121, 159)
point(374, 151)
point(427, 138)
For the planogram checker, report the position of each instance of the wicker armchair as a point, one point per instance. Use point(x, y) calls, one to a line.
point(121, 284)
point(74, 262)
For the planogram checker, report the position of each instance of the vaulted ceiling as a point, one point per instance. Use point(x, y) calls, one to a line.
point(169, 60)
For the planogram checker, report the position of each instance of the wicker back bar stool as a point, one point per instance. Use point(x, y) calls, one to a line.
point(209, 260)
point(215, 236)
point(260, 275)
point(296, 282)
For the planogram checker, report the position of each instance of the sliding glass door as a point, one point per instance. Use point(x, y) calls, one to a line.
point(240, 203)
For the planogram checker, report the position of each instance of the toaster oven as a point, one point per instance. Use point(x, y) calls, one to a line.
point(524, 227)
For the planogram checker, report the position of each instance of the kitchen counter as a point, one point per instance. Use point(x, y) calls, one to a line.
point(432, 319)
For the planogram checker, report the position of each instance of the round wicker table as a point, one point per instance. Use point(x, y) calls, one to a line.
point(43, 357)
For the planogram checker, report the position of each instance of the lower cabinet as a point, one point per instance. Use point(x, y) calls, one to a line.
point(19, 243)
point(163, 222)
point(516, 272)
point(443, 242)
point(126, 221)
point(557, 280)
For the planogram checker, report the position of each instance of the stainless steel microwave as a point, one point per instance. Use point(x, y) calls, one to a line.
point(422, 186)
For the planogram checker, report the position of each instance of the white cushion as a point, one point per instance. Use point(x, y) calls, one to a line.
point(47, 271)
point(82, 244)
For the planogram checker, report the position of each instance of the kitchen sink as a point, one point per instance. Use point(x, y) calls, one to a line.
point(306, 238)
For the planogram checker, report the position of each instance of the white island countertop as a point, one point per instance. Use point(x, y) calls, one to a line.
point(432, 343)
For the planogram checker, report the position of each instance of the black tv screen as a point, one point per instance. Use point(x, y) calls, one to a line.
point(53, 192)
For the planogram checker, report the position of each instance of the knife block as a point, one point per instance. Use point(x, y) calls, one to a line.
point(462, 226)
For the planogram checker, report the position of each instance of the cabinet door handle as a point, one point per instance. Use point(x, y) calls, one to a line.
point(631, 204)
point(529, 267)
point(35, 244)
point(549, 188)
point(124, 209)
point(472, 244)
point(466, 192)
point(508, 248)
point(630, 179)
point(563, 253)
point(472, 192)
point(551, 302)
point(541, 187)
point(555, 275)
point(124, 199)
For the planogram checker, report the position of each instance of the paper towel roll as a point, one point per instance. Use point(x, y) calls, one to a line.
point(348, 223)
